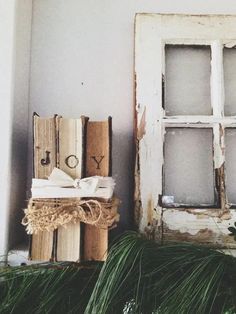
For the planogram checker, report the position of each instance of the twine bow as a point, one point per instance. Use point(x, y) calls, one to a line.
point(49, 214)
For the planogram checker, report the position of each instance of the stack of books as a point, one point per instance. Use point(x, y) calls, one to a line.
point(66, 151)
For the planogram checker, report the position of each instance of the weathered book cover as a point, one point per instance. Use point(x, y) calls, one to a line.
point(41, 244)
point(98, 162)
point(70, 159)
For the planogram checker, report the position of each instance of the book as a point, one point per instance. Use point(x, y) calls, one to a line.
point(98, 162)
point(58, 143)
point(71, 161)
point(44, 150)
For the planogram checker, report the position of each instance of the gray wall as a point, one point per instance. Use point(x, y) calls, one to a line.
point(20, 121)
point(15, 33)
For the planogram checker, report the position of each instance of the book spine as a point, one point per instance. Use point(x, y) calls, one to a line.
point(98, 162)
point(70, 160)
point(44, 149)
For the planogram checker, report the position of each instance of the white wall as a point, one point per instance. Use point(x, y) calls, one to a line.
point(15, 30)
point(7, 19)
point(19, 145)
point(82, 63)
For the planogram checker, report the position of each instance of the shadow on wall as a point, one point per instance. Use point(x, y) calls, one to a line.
point(123, 154)
point(18, 178)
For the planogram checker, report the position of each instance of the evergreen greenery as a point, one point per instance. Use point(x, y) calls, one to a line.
point(139, 276)
point(46, 288)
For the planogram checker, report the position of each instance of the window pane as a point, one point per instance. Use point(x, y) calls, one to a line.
point(188, 71)
point(230, 81)
point(230, 164)
point(188, 166)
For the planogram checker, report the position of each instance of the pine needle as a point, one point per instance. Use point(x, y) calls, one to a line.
point(141, 276)
point(46, 288)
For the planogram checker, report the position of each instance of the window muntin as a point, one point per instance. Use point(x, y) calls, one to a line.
point(220, 82)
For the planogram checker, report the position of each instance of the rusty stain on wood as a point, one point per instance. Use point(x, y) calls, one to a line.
point(163, 91)
point(221, 140)
point(153, 231)
point(135, 109)
point(150, 210)
point(226, 215)
point(186, 225)
point(220, 186)
point(138, 211)
point(204, 236)
point(142, 126)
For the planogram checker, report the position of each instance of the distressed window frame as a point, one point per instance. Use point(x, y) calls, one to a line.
point(152, 33)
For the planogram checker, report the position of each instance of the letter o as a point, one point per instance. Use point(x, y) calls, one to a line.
point(72, 161)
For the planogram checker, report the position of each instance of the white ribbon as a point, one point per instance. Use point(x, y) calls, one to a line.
point(60, 183)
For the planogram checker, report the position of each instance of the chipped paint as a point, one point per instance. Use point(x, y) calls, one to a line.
point(209, 212)
point(203, 236)
point(230, 44)
point(201, 225)
point(189, 219)
point(152, 230)
point(138, 210)
point(150, 211)
point(220, 186)
point(142, 125)
point(188, 225)
point(218, 145)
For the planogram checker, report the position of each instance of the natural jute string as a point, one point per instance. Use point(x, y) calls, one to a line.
point(49, 214)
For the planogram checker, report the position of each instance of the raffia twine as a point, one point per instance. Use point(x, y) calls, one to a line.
point(49, 214)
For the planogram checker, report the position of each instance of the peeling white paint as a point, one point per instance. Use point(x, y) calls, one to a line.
point(192, 223)
point(217, 80)
point(218, 144)
point(153, 31)
point(230, 44)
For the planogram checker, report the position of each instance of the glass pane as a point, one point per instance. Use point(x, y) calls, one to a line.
point(188, 166)
point(188, 71)
point(230, 164)
point(230, 81)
